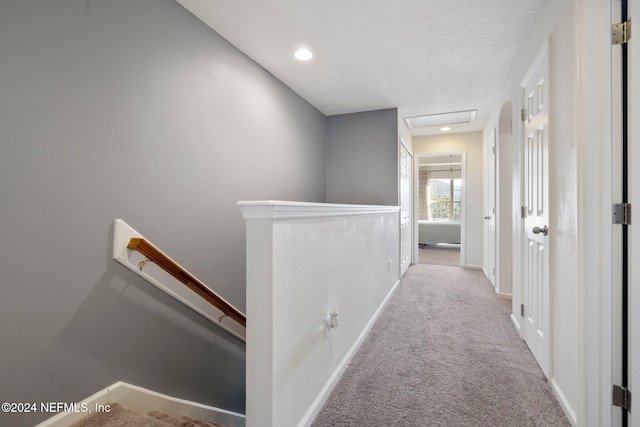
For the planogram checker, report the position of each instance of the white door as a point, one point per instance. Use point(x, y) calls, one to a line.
point(406, 197)
point(535, 183)
point(490, 215)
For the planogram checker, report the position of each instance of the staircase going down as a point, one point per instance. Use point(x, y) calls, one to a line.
point(119, 416)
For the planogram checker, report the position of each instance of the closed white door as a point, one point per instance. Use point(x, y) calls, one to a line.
point(406, 201)
point(535, 221)
point(490, 216)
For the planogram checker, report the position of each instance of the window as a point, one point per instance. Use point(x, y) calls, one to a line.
point(444, 196)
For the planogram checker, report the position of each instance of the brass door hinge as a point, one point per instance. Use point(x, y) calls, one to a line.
point(621, 33)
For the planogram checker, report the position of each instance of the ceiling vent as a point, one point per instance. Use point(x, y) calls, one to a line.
point(441, 119)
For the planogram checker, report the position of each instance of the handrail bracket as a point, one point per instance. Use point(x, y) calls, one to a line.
point(142, 263)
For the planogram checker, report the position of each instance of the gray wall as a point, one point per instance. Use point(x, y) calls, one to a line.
point(133, 110)
point(362, 158)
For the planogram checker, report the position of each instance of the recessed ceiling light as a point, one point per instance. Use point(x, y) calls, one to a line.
point(445, 129)
point(303, 54)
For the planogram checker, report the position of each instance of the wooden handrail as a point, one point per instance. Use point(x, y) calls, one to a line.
point(173, 268)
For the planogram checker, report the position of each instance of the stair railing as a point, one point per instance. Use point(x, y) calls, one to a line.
point(173, 268)
point(200, 298)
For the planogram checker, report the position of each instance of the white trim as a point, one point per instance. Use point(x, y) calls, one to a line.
point(542, 54)
point(122, 234)
point(463, 201)
point(322, 397)
point(278, 210)
point(486, 274)
point(144, 401)
point(516, 324)
point(595, 125)
point(634, 198)
point(463, 213)
point(569, 411)
point(412, 211)
point(490, 143)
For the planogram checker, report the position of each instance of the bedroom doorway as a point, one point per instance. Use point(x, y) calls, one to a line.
point(440, 208)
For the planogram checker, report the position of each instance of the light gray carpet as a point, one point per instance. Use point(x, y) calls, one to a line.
point(446, 255)
point(443, 353)
point(119, 416)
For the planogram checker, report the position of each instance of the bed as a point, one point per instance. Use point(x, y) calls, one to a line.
point(434, 232)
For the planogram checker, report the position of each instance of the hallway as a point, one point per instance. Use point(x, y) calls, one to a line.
point(443, 353)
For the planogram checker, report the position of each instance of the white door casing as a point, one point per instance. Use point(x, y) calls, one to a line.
point(490, 214)
point(633, 95)
point(421, 159)
point(406, 203)
point(615, 184)
point(535, 192)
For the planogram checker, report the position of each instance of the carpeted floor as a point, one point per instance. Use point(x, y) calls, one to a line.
point(443, 353)
point(119, 416)
point(440, 255)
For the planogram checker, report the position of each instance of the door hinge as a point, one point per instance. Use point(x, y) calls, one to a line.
point(523, 115)
point(621, 33)
point(521, 310)
point(523, 211)
point(622, 213)
point(621, 397)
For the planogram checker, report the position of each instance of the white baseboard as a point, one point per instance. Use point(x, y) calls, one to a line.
point(504, 296)
point(516, 324)
point(569, 411)
point(144, 401)
point(322, 397)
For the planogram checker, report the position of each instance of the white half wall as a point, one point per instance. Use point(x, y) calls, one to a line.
point(304, 261)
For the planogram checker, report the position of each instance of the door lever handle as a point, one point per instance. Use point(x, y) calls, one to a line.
point(544, 230)
point(487, 217)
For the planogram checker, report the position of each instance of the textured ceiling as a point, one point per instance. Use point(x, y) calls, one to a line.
point(421, 56)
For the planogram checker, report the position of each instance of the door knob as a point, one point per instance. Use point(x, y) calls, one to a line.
point(544, 230)
point(487, 217)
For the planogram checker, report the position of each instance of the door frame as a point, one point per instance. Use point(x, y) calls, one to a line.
point(490, 266)
point(416, 186)
point(634, 195)
point(595, 133)
point(411, 193)
point(504, 200)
